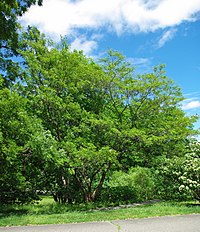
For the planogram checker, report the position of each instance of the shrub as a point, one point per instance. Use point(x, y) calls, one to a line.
point(190, 178)
point(179, 177)
point(118, 194)
point(167, 182)
point(143, 183)
point(135, 185)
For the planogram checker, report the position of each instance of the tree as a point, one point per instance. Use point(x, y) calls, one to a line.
point(16, 128)
point(27, 152)
point(10, 10)
point(90, 167)
point(147, 112)
point(63, 88)
point(100, 116)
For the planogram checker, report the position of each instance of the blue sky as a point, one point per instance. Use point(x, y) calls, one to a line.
point(147, 32)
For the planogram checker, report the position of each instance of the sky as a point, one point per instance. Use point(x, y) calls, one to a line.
point(147, 32)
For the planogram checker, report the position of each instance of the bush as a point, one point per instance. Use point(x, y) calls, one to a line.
point(136, 185)
point(15, 189)
point(143, 183)
point(118, 194)
point(179, 177)
point(168, 173)
point(18, 196)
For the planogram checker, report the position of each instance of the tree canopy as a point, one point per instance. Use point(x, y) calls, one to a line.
point(9, 11)
point(79, 120)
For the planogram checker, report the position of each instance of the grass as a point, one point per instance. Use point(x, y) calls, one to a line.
point(48, 212)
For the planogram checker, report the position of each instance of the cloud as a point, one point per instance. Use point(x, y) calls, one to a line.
point(191, 104)
point(166, 36)
point(85, 45)
point(192, 107)
point(62, 17)
point(143, 65)
point(138, 61)
point(192, 95)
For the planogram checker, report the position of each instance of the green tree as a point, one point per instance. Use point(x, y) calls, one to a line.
point(16, 128)
point(100, 115)
point(64, 89)
point(28, 153)
point(10, 10)
point(147, 112)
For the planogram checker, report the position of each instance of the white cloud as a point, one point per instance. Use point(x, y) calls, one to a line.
point(138, 61)
point(61, 17)
point(192, 95)
point(166, 36)
point(192, 104)
point(82, 44)
point(141, 64)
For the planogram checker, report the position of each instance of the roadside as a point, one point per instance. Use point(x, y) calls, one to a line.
point(186, 223)
point(51, 213)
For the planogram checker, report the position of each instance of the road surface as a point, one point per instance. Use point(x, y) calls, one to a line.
point(186, 223)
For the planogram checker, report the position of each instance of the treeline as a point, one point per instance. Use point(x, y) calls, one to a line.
point(88, 131)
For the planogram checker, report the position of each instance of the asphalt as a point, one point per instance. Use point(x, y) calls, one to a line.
point(186, 223)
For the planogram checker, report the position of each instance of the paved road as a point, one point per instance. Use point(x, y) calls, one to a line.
point(187, 223)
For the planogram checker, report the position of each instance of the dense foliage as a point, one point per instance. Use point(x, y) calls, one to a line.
point(9, 11)
point(68, 123)
point(137, 184)
point(179, 177)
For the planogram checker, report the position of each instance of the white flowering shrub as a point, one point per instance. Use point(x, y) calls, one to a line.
point(179, 177)
point(190, 178)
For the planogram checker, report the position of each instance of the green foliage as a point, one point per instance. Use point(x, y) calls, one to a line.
point(10, 10)
point(146, 112)
point(67, 122)
point(143, 183)
point(138, 180)
point(118, 195)
point(16, 127)
point(71, 108)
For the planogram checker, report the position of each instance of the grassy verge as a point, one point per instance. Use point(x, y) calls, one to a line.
point(48, 212)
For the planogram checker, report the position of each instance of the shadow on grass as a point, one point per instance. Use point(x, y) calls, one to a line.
point(189, 204)
point(11, 210)
point(56, 208)
point(40, 209)
point(193, 205)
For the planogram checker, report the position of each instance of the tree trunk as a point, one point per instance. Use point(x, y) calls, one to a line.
point(90, 195)
point(97, 190)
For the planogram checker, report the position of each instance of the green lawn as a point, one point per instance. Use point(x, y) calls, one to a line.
point(48, 212)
